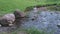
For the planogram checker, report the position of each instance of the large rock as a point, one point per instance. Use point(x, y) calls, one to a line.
point(7, 19)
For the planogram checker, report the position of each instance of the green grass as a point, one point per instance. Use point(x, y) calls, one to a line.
point(32, 31)
point(7, 6)
point(35, 31)
point(29, 31)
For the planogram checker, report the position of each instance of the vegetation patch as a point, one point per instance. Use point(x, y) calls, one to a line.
point(7, 6)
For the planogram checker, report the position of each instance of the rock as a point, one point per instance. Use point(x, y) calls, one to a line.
point(18, 13)
point(19, 17)
point(58, 25)
point(7, 19)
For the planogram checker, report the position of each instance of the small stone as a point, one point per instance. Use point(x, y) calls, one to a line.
point(0, 25)
point(10, 24)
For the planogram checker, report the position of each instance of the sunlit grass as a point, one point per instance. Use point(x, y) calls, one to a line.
point(7, 6)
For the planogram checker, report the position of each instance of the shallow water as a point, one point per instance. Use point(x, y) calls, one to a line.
point(44, 20)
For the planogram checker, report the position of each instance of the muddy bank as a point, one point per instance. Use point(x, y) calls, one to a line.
point(54, 7)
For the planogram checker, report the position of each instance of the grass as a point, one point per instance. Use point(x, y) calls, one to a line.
point(35, 31)
point(7, 6)
point(29, 31)
point(32, 31)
